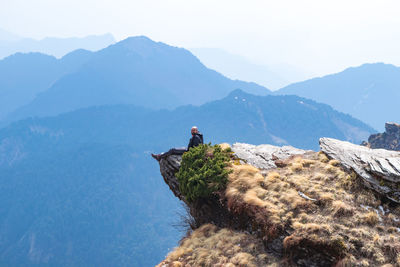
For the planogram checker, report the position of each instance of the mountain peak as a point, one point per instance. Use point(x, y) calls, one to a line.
point(147, 48)
point(355, 90)
point(140, 44)
point(135, 71)
point(375, 68)
point(137, 39)
point(28, 56)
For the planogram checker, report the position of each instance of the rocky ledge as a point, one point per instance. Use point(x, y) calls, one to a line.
point(378, 168)
point(263, 157)
point(284, 206)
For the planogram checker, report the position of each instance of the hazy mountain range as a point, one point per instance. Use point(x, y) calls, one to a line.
point(79, 188)
point(134, 71)
point(23, 76)
point(122, 78)
point(273, 76)
point(58, 47)
point(370, 92)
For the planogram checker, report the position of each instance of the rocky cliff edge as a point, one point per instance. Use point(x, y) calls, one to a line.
point(284, 206)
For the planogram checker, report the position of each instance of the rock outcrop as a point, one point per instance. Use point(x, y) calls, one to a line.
point(378, 168)
point(284, 206)
point(389, 140)
point(265, 157)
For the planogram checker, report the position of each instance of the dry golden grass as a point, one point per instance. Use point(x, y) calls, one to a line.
point(371, 218)
point(319, 203)
point(313, 202)
point(339, 209)
point(225, 146)
point(211, 246)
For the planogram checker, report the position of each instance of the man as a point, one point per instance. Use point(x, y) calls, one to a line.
point(197, 139)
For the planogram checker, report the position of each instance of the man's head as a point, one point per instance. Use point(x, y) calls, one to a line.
point(194, 130)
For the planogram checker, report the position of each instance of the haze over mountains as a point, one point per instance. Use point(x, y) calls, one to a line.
point(11, 43)
point(234, 66)
point(128, 82)
point(271, 75)
point(134, 71)
point(8, 36)
point(79, 188)
point(23, 76)
point(370, 92)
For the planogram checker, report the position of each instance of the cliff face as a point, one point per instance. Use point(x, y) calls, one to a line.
point(390, 139)
point(288, 207)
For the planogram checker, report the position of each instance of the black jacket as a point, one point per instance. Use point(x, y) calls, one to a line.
point(196, 140)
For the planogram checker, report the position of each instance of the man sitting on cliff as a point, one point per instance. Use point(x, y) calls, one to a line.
point(197, 139)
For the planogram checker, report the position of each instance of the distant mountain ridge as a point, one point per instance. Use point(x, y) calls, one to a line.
point(272, 75)
point(58, 47)
point(135, 71)
point(238, 67)
point(369, 92)
point(280, 120)
point(8, 36)
point(23, 76)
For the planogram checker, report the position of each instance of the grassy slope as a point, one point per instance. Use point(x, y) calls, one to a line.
point(316, 210)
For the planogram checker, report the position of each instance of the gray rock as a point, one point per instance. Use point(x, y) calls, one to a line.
point(168, 167)
point(264, 157)
point(378, 168)
point(390, 139)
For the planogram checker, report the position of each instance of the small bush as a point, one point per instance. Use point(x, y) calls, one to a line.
point(203, 171)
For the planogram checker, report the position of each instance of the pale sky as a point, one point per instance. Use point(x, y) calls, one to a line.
point(318, 36)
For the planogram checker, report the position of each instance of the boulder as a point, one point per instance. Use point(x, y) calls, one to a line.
point(265, 157)
point(378, 168)
point(390, 139)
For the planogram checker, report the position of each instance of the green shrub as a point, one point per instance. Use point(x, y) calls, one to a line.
point(203, 171)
